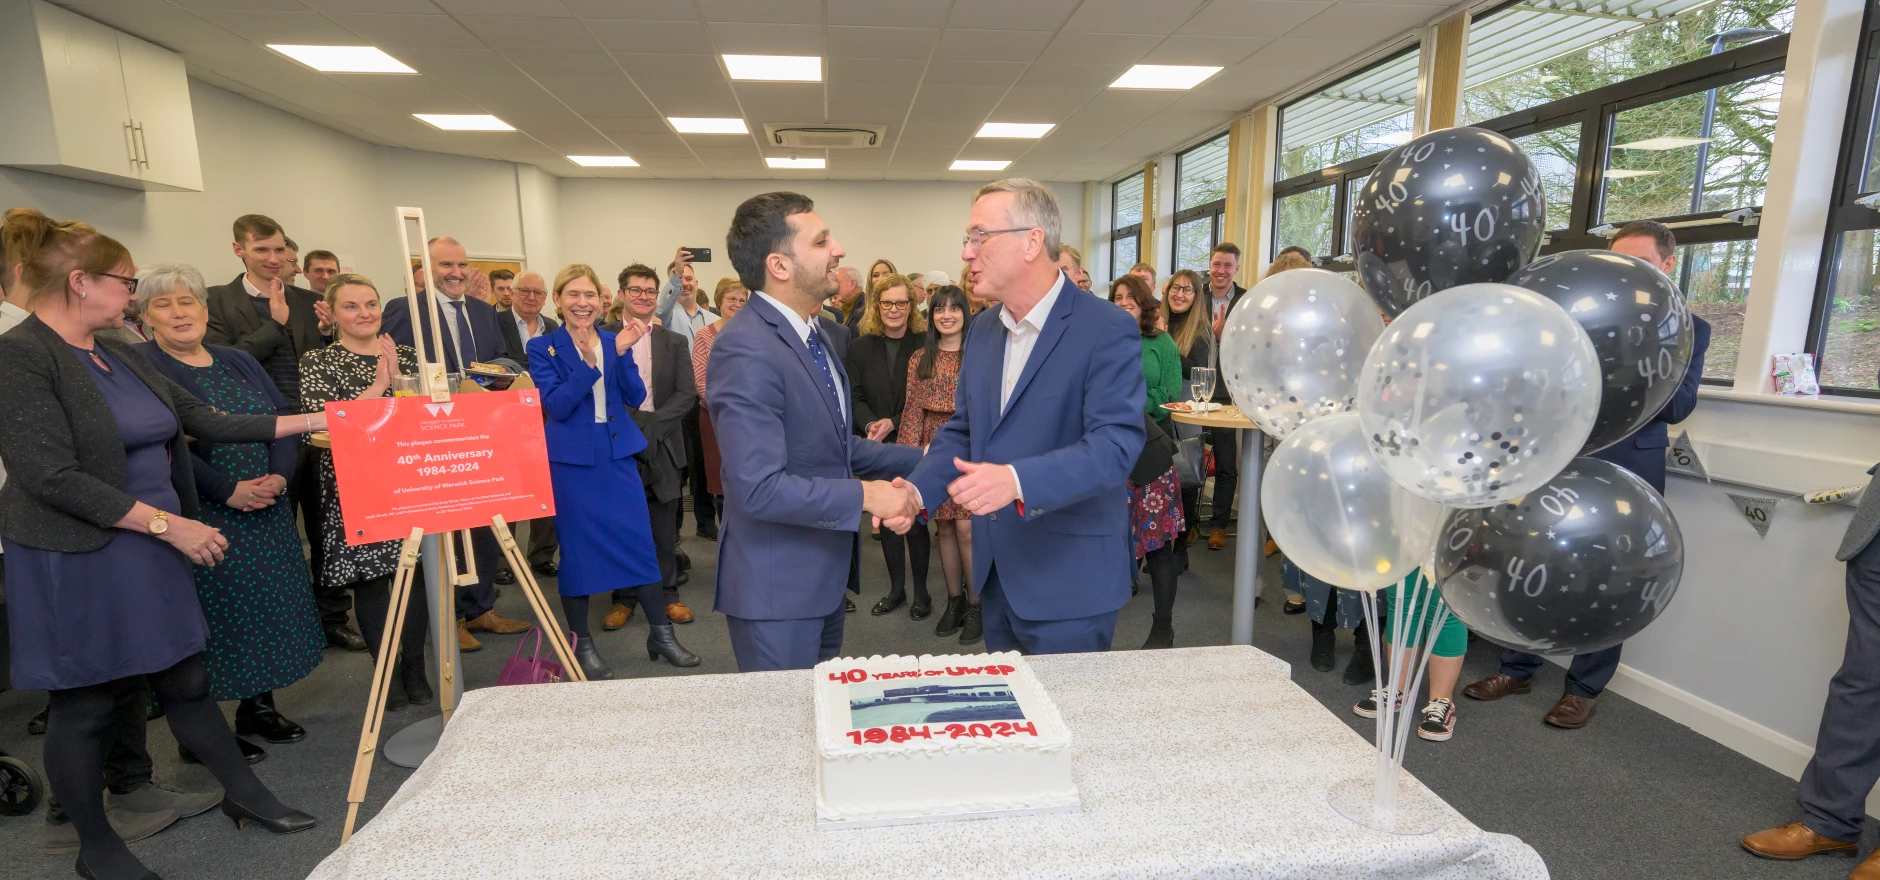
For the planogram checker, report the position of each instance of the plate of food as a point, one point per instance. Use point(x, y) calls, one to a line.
point(1184, 406)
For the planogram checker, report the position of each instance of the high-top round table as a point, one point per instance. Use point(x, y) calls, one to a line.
point(1247, 546)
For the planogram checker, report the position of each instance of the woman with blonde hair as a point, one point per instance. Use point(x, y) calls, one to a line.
point(1287, 261)
point(877, 365)
point(880, 269)
point(1194, 342)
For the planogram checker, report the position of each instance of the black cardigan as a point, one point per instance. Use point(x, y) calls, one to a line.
point(283, 453)
point(65, 460)
point(877, 388)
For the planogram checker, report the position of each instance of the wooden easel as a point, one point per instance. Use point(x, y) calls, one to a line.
point(434, 382)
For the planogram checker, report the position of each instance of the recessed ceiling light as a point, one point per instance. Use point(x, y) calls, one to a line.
point(1622, 173)
point(604, 161)
point(465, 121)
point(1662, 143)
point(979, 164)
point(792, 162)
point(1014, 129)
point(343, 59)
point(1163, 76)
point(775, 68)
point(705, 125)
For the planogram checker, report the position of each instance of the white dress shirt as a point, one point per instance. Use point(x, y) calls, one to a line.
point(643, 361)
point(1021, 336)
point(522, 326)
point(11, 316)
point(803, 329)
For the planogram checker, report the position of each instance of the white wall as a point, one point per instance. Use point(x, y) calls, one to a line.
point(916, 224)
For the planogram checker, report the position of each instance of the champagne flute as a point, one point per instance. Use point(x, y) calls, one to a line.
point(1204, 376)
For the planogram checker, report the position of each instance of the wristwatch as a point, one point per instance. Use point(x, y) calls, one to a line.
point(160, 523)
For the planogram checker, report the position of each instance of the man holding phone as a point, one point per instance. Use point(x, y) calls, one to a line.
point(686, 319)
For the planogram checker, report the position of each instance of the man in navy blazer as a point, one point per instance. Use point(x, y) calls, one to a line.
point(1643, 453)
point(473, 333)
point(1047, 426)
point(780, 406)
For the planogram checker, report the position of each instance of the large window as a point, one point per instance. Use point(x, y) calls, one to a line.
point(1845, 330)
point(1200, 202)
point(1125, 223)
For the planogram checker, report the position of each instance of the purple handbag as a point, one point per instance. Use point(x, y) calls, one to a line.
point(533, 669)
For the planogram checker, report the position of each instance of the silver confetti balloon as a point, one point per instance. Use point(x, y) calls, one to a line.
point(1336, 512)
point(1292, 348)
point(1479, 394)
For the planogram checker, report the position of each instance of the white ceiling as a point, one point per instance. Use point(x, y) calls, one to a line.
point(598, 77)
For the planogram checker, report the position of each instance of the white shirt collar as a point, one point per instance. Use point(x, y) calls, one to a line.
point(1039, 313)
point(797, 323)
point(251, 288)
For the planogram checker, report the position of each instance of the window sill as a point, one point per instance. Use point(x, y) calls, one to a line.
point(1858, 405)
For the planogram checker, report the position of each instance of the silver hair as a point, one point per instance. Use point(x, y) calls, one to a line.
point(1033, 205)
point(853, 273)
point(162, 279)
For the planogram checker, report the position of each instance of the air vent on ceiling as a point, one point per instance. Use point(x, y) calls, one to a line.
point(826, 137)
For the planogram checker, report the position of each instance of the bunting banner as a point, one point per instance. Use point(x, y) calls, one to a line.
point(1681, 458)
point(1758, 511)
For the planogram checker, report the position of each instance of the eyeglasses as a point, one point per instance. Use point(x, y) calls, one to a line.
point(642, 291)
point(1180, 288)
point(130, 283)
point(530, 291)
point(978, 239)
point(901, 306)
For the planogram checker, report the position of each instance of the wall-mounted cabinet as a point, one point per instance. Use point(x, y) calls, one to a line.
point(86, 101)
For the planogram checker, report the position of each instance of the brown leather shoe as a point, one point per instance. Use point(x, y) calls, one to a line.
point(1571, 713)
point(679, 613)
point(617, 616)
point(465, 641)
point(1867, 870)
point(1797, 841)
point(1497, 686)
point(1193, 533)
point(490, 621)
point(1217, 539)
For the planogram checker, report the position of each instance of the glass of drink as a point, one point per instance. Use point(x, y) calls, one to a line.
point(404, 386)
point(1204, 376)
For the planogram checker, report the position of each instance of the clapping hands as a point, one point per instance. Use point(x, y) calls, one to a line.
point(630, 333)
point(892, 504)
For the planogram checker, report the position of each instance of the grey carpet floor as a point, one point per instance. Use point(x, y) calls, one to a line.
point(1633, 795)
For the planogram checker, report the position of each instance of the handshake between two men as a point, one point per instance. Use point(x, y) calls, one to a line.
point(981, 488)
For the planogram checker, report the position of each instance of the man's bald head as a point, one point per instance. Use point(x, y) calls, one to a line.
point(450, 265)
point(529, 295)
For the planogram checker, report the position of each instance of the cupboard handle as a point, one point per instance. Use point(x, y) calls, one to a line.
point(130, 143)
point(143, 147)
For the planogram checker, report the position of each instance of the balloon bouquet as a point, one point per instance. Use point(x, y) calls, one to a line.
point(1496, 374)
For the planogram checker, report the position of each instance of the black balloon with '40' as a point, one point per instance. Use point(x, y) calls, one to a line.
point(1578, 565)
point(1455, 206)
point(1638, 322)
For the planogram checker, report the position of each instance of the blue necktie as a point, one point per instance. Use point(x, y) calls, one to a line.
point(829, 376)
point(466, 353)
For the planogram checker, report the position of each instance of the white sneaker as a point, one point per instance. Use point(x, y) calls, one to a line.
point(1439, 721)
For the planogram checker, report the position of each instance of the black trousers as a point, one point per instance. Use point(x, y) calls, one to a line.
point(704, 509)
point(542, 541)
point(1226, 444)
point(665, 525)
point(1833, 790)
point(477, 598)
point(332, 599)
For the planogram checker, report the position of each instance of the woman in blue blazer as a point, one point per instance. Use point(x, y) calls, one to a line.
point(590, 387)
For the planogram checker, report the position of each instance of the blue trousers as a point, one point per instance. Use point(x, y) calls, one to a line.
point(1586, 677)
point(1006, 631)
point(770, 645)
point(1833, 790)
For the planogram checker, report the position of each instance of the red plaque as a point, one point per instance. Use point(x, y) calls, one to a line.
point(405, 461)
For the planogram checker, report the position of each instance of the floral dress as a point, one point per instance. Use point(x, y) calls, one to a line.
point(336, 373)
point(929, 405)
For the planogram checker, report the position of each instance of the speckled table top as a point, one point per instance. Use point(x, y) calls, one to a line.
point(1202, 762)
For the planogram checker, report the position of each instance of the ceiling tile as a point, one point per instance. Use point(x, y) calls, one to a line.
point(409, 31)
point(1214, 51)
point(637, 131)
point(1096, 48)
point(881, 42)
point(777, 11)
point(1072, 76)
point(741, 150)
point(1032, 15)
point(1307, 54)
point(303, 28)
point(541, 62)
point(1032, 104)
point(611, 96)
point(671, 68)
point(691, 97)
point(872, 113)
point(888, 13)
point(875, 70)
point(974, 73)
point(977, 45)
point(1130, 16)
point(852, 174)
point(1362, 21)
point(641, 10)
point(454, 61)
point(742, 38)
point(979, 99)
point(417, 7)
point(780, 102)
point(870, 93)
point(515, 32)
point(676, 37)
point(258, 5)
point(1251, 18)
point(528, 8)
point(412, 94)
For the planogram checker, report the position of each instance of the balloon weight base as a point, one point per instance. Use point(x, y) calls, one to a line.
point(1416, 811)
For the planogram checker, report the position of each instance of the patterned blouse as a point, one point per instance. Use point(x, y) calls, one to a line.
point(929, 406)
point(336, 373)
point(702, 356)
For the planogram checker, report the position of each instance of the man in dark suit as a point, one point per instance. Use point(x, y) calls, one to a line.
point(1643, 453)
point(1049, 424)
point(1222, 293)
point(780, 406)
point(260, 313)
point(473, 333)
point(665, 363)
point(1846, 764)
point(522, 322)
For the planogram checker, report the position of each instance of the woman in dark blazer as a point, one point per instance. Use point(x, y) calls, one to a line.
point(97, 519)
point(590, 387)
point(264, 631)
point(877, 365)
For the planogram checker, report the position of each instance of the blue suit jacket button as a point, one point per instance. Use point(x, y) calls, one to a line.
point(994, 516)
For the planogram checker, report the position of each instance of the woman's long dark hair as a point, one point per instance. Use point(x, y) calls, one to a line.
point(949, 295)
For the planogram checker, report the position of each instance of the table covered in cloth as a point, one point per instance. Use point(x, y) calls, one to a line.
point(1203, 762)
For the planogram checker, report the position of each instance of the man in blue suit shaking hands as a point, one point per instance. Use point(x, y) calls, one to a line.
point(780, 406)
point(1047, 425)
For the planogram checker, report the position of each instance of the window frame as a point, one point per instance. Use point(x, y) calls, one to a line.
point(1844, 215)
point(1216, 210)
point(1133, 230)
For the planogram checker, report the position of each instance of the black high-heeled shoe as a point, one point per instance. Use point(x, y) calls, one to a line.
point(660, 642)
point(294, 821)
point(84, 870)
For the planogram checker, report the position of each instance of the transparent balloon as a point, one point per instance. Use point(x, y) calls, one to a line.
point(1292, 348)
point(1479, 394)
point(1338, 515)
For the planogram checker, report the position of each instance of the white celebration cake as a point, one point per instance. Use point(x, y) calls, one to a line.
point(915, 739)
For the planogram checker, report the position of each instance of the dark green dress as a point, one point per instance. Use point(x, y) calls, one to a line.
point(264, 632)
